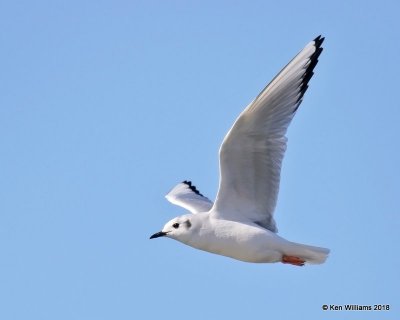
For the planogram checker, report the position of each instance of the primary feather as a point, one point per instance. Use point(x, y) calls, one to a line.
point(186, 195)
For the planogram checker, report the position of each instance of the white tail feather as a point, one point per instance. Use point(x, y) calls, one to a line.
point(310, 254)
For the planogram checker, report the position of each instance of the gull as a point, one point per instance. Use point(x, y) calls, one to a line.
point(240, 223)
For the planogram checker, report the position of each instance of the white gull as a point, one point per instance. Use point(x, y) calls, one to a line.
point(240, 224)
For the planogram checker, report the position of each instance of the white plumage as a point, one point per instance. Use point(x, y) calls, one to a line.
point(240, 224)
point(187, 196)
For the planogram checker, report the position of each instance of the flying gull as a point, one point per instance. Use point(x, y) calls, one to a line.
point(240, 223)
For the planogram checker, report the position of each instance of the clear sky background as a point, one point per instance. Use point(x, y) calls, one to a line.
point(106, 105)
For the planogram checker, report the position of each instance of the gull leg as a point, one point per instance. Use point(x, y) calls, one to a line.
point(293, 260)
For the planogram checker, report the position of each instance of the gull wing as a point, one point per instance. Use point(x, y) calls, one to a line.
point(187, 196)
point(251, 153)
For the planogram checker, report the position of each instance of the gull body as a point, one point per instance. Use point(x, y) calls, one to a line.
point(240, 224)
point(243, 241)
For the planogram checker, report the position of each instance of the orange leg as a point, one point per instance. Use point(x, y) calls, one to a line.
point(293, 260)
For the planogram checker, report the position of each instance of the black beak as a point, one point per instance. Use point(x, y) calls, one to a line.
point(158, 234)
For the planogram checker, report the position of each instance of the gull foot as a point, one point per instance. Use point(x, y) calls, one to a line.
point(293, 260)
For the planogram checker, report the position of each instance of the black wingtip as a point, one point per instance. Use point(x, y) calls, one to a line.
point(310, 68)
point(192, 187)
point(319, 40)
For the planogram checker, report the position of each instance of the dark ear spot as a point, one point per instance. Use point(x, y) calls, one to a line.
point(188, 224)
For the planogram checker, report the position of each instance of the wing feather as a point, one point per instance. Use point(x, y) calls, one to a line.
point(186, 195)
point(252, 151)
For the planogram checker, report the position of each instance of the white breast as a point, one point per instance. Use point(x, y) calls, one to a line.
point(239, 241)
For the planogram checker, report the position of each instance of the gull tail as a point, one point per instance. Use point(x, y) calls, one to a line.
point(310, 254)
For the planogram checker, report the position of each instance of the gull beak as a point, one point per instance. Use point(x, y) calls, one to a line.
point(158, 234)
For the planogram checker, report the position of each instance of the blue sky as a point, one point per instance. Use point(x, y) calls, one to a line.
point(106, 105)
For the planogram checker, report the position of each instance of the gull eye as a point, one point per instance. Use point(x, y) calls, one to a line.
point(176, 225)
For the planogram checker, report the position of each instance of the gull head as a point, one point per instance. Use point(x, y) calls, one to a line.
point(178, 228)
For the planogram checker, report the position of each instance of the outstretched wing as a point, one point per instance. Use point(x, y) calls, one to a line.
point(252, 151)
point(187, 196)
